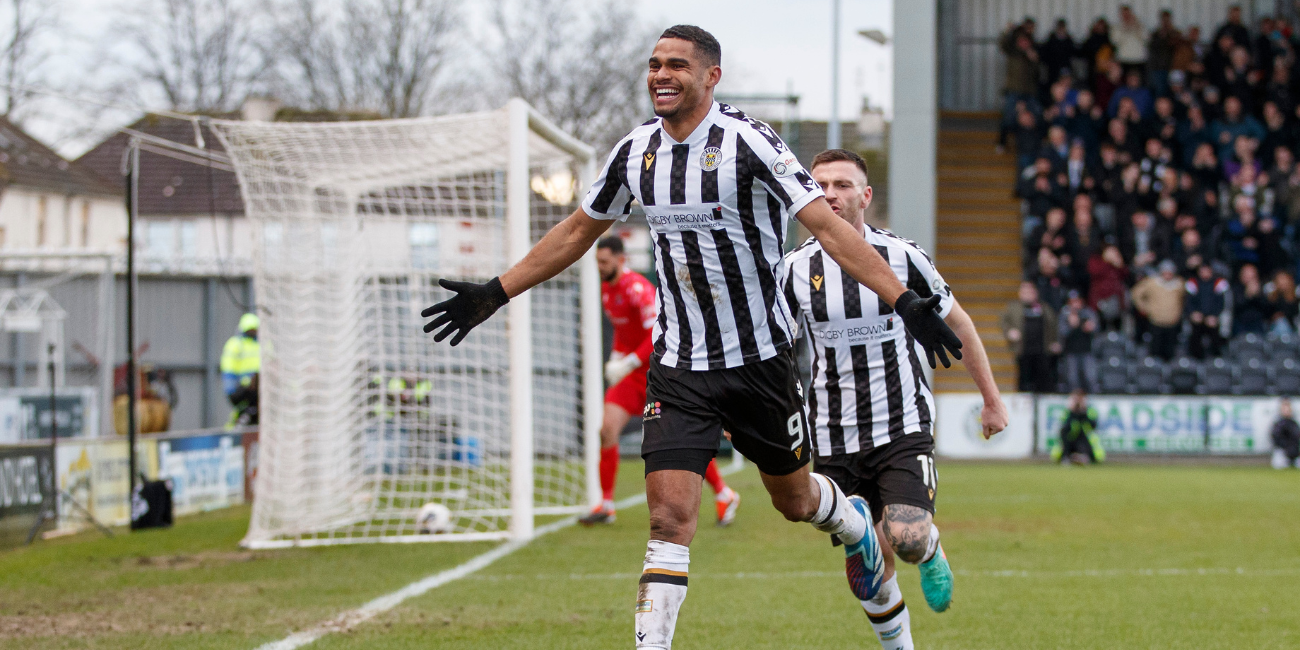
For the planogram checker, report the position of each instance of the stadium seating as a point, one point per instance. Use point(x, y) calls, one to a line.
point(1286, 377)
point(1149, 377)
point(1252, 378)
point(1216, 378)
point(1112, 375)
point(1184, 376)
point(1248, 347)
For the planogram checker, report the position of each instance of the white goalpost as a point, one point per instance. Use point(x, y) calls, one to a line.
point(364, 420)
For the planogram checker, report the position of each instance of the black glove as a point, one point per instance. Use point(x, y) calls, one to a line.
point(472, 304)
point(921, 317)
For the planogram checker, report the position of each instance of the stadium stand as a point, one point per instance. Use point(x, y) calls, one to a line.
point(1187, 159)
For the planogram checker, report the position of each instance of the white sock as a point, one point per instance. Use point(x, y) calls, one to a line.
point(933, 546)
point(835, 515)
point(607, 504)
point(660, 595)
point(889, 616)
point(724, 495)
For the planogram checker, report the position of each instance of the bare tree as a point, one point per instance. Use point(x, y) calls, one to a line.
point(585, 68)
point(373, 55)
point(200, 55)
point(22, 56)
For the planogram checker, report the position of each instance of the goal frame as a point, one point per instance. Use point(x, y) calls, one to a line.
point(522, 123)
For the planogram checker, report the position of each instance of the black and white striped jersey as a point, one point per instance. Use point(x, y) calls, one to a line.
point(868, 382)
point(717, 205)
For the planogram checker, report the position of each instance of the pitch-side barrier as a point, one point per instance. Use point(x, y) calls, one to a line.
point(208, 469)
point(1126, 424)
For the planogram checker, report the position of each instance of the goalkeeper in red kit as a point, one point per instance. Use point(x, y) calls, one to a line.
point(629, 302)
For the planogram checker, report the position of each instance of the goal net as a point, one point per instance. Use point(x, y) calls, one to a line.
point(364, 419)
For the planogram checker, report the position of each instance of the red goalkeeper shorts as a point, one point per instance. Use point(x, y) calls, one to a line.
point(629, 393)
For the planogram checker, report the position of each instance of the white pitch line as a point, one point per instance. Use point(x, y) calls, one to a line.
point(1004, 573)
point(349, 619)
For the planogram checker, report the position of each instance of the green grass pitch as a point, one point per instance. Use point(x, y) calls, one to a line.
point(1122, 556)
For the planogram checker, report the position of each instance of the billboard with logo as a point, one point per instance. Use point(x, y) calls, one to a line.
point(1156, 424)
point(958, 432)
point(26, 488)
point(207, 472)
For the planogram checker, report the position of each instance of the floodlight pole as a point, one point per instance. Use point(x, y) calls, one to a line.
point(132, 206)
point(833, 128)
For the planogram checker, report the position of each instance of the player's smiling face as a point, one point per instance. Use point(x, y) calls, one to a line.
point(678, 80)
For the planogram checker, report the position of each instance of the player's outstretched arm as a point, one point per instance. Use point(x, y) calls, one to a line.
point(994, 416)
point(864, 264)
point(474, 303)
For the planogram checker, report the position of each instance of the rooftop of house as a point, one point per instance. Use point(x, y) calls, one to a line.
point(26, 163)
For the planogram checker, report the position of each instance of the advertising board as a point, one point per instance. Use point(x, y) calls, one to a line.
point(958, 432)
point(1168, 424)
point(207, 472)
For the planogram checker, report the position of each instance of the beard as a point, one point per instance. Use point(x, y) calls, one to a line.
point(608, 277)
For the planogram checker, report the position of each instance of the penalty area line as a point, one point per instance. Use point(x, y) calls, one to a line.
point(352, 618)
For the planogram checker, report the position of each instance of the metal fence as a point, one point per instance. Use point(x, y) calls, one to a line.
point(183, 320)
point(971, 68)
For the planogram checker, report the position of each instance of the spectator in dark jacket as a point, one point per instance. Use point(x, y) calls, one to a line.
point(1207, 296)
point(1057, 51)
point(1079, 324)
point(1160, 47)
point(1096, 48)
point(1088, 122)
point(1051, 278)
point(1189, 253)
point(1233, 27)
point(1017, 44)
point(1031, 331)
point(1029, 136)
point(1050, 235)
point(1142, 244)
point(1251, 310)
point(1192, 132)
point(1233, 123)
point(1043, 190)
point(1285, 303)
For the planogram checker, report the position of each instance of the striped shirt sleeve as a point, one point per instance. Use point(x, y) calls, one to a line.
point(778, 168)
point(923, 278)
point(610, 197)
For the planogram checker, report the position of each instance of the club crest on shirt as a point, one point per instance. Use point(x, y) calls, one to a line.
point(710, 158)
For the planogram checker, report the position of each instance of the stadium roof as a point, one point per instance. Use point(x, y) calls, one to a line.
point(169, 186)
point(25, 162)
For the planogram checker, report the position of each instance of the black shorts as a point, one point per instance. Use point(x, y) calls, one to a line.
point(899, 473)
point(759, 404)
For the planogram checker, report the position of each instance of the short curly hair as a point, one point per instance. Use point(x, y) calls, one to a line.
point(706, 46)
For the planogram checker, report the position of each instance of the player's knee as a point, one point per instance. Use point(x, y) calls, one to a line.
point(793, 508)
point(670, 522)
point(908, 540)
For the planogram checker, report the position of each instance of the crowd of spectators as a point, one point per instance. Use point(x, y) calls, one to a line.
point(1160, 190)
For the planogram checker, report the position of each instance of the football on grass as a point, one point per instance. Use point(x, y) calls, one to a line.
point(434, 518)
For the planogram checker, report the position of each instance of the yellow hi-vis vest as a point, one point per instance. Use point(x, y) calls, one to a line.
point(242, 357)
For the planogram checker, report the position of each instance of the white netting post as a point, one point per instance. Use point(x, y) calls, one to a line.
point(519, 326)
point(593, 349)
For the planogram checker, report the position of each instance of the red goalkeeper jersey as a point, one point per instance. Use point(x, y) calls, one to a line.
point(629, 303)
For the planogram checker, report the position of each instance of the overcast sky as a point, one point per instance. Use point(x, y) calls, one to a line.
point(769, 46)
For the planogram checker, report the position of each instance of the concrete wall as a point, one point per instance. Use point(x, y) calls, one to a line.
point(914, 133)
